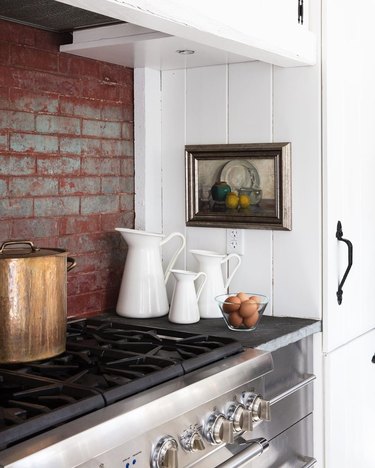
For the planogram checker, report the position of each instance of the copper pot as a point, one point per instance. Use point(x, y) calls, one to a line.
point(33, 301)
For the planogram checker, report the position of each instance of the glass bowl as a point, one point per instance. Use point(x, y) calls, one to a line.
point(242, 311)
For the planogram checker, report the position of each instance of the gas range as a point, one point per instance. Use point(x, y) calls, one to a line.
point(123, 396)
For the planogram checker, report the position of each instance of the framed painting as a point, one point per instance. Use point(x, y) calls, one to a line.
point(244, 186)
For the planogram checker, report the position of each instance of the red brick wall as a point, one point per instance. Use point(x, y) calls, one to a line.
point(66, 159)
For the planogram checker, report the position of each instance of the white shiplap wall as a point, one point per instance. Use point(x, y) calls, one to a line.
point(247, 102)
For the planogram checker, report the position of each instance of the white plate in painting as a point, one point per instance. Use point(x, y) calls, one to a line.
point(240, 173)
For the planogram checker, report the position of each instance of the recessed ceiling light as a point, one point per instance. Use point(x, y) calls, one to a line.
point(185, 51)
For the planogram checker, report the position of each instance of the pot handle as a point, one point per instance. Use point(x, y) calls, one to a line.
point(73, 263)
point(18, 242)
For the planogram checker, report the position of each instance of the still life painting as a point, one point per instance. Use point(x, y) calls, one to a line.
point(239, 185)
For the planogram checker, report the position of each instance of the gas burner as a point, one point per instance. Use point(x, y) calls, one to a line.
point(29, 404)
point(105, 361)
point(191, 351)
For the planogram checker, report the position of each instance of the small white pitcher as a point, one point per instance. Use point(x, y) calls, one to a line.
point(210, 263)
point(184, 304)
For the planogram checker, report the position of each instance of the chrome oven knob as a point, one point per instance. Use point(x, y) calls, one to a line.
point(240, 416)
point(192, 441)
point(259, 408)
point(218, 429)
point(165, 453)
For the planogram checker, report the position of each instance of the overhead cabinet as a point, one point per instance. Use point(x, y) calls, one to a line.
point(275, 32)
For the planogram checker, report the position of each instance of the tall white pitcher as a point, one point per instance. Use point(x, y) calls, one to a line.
point(210, 263)
point(143, 293)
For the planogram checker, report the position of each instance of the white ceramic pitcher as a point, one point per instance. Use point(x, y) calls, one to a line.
point(210, 263)
point(184, 304)
point(143, 292)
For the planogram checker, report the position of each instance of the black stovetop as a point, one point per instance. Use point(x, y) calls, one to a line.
point(105, 361)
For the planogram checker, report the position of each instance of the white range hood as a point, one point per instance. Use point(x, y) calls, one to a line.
point(155, 30)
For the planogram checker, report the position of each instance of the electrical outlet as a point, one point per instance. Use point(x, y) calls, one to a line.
point(235, 242)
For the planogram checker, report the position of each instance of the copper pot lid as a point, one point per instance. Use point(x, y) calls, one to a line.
point(25, 249)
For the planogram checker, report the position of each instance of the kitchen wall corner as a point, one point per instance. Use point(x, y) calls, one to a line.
point(250, 102)
point(66, 158)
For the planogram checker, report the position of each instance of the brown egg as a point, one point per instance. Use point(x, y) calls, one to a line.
point(256, 299)
point(235, 319)
point(243, 296)
point(252, 320)
point(232, 303)
point(248, 308)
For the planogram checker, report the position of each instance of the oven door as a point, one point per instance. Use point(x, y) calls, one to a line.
point(287, 450)
point(286, 441)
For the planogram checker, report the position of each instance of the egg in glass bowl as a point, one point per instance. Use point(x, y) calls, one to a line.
point(242, 311)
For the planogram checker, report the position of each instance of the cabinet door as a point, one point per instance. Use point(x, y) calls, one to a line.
point(257, 16)
point(349, 389)
point(349, 167)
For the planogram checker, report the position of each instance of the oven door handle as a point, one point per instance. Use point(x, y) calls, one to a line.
point(254, 448)
point(308, 379)
point(309, 462)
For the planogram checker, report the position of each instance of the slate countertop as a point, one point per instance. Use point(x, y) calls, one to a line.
point(272, 332)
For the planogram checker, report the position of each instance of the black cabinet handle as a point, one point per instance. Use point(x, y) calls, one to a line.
point(373, 359)
point(339, 235)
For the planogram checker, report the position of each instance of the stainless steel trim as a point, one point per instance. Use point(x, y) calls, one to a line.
point(310, 462)
point(293, 389)
point(255, 448)
point(120, 422)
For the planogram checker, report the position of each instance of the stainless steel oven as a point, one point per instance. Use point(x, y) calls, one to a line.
point(160, 399)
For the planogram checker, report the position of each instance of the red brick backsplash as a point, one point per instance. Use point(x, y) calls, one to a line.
point(66, 159)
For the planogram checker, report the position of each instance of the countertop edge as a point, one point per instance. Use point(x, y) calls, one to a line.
point(289, 338)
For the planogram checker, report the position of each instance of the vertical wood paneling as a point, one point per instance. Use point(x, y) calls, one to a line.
point(204, 239)
point(206, 122)
point(206, 105)
point(297, 254)
point(173, 174)
point(250, 120)
point(250, 103)
point(173, 141)
point(148, 150)
point(235, 104)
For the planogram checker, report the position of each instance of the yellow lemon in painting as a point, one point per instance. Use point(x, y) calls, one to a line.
point(232, 200)
point(244, 201)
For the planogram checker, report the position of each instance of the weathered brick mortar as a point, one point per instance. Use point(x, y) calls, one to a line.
point(66, 158)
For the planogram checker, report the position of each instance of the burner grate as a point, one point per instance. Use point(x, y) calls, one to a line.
point(105, 361)
point(191, 351)
point(29, 405)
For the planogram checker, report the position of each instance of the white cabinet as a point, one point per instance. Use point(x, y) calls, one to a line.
point(218, 32)
point(349, 389)
point(348, 167)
